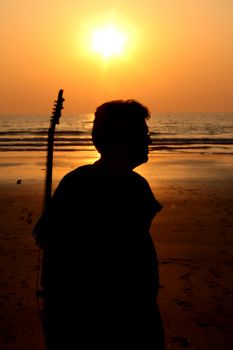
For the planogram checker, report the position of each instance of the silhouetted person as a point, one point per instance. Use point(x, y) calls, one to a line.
point(101, 280)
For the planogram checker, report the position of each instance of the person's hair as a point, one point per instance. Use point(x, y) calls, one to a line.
point(117, 121)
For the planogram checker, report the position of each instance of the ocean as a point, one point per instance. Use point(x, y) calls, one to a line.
point(170, 132)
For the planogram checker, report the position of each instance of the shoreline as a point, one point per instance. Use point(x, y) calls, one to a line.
point(31, 165)
point(192, 234)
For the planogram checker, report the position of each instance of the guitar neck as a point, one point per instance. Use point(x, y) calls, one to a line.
point(49, 169)
point(49, 164)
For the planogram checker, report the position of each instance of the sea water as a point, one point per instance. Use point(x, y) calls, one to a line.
point(170, 132)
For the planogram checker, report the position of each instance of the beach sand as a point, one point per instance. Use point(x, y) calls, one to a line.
point(192, 234)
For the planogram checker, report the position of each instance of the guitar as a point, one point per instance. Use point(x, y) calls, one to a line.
point(58, 106)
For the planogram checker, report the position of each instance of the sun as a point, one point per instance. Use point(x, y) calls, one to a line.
point(108, 41)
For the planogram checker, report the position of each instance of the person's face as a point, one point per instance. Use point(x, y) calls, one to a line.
point(139, 145)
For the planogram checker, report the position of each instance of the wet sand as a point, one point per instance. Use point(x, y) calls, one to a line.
point(193, 236)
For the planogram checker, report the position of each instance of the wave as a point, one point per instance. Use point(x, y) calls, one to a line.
point(85, 138)
point(74, 144)
point(41, 132)
point(194, 140)
point(43, 139)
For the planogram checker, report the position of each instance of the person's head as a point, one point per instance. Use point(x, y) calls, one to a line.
point(120, 130)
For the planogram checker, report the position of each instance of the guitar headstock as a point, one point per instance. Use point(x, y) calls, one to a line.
point(58, 106)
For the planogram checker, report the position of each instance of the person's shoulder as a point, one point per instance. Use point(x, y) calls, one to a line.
point(80, 171)
point(155, 206)
point(78, 174)
point(77, 177)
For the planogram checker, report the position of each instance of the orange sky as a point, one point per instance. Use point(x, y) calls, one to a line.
point(178, 57)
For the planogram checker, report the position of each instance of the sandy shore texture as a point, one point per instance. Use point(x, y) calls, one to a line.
point(193, 236)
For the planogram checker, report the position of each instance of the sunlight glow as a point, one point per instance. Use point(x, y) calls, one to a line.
point(108, 41)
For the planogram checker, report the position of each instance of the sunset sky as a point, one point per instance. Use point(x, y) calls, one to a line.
point(172, 55)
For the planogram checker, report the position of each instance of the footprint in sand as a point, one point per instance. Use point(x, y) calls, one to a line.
point(26, 216)
point(186, 306)
point(182, 341)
